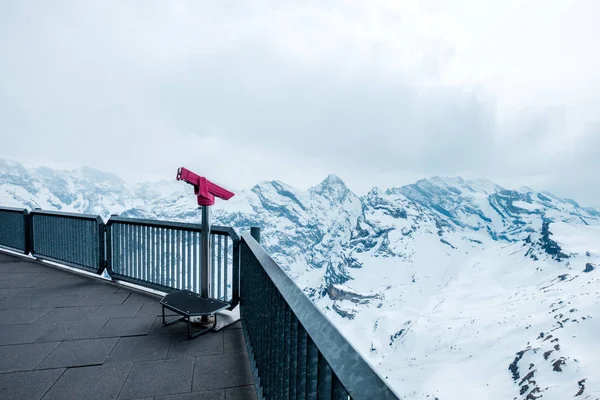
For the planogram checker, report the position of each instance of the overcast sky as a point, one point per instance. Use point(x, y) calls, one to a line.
point(381, 93)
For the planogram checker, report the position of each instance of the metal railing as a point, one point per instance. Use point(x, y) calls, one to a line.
point(295, 350)
point(167, 256)
point(14, 229)
point(76, 240)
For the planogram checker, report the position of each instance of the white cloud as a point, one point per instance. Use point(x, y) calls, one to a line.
point(379, 92)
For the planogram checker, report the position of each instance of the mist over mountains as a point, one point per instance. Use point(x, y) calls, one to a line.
point(451, 288)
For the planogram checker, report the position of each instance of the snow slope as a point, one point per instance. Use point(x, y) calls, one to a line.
point(452, 289)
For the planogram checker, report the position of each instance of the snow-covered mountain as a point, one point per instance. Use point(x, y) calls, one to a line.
point(452, 289)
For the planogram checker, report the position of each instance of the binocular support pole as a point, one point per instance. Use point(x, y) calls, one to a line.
point(205, 270)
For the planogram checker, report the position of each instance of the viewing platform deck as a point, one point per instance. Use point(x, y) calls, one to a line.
point(65, 335)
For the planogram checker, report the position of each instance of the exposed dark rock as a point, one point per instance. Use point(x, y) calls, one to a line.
point(528, 378)
point(337, 293)
point(581, 384)
point(514, 366)
point(548, 337)
point(589, 267)
point(532, 396)
point(550, 246)
point(557, 365)
point(345, 314)
point(447, 243)
point(400, 333)
point(396, 336)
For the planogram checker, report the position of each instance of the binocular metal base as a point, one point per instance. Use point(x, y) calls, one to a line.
point(189, 305)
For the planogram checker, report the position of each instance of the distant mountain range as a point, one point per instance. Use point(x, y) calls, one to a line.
point(453, 289)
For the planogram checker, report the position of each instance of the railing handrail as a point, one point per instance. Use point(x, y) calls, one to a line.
point(67, 215)
point(13, 209)
point(359, 378)
point(216, 229)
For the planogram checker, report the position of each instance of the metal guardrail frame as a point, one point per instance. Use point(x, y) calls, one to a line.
point(216, 231)
point(300, 350)
point(18, 227)
point(300, 353)
point(89, 257)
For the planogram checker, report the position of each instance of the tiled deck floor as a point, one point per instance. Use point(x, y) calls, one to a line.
point(66, 336)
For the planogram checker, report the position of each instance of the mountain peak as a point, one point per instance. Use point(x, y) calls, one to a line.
point(333, 179)
point(332, 187)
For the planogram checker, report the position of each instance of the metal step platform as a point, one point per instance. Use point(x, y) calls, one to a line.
point(189, 305)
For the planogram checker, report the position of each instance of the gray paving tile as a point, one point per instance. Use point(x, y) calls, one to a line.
point(233, 341)
point(7, 257)
point(69, 313)
point(221, 371)
point(141, 298)
point(56, 300)
point(73, 330)
point(158, 328)
point(11, 317)
point(209, 343)
point(116, 311)
point(20, 275)
point(237, 325)
point(52, 286)
point(123, 289)
point(241, 393)
point(23, 282)
point(70, 300)
point(28, 385)
point(210, 395)
point(126, 327)
point(14, 302)
point(23, 266)
point(156, 378)
point(24, 357)
point(58, 277)
point(24, 333)
point(77, 353)
point(141, 398)
point(153, 309)
point(141, 348)
point(90, 383)
point(97, 288)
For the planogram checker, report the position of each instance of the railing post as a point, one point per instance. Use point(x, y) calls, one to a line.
point(205, 260)
point(235, 286)
point(101, 245)
point(255, 233)
point(108, 240)
point(28, 224)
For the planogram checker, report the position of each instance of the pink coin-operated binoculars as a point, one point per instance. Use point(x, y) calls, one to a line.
point(206, 192)
point(203, 188)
